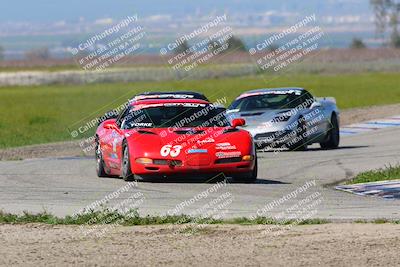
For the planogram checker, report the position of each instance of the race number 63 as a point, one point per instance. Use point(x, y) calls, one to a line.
point(173, 151)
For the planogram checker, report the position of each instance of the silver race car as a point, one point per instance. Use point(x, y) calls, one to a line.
point(288, 118)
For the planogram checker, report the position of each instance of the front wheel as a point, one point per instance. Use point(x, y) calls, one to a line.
point(333, 135)
point(126, 171)
point(99, 161)
point(249, 177)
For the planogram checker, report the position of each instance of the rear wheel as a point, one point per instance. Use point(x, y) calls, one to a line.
point(99, 161)
point(249, 177)
point(126, 172)
point(333, 135)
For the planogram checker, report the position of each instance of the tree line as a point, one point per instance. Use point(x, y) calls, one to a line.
point(387, 21)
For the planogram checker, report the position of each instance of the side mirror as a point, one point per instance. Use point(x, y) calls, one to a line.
point(316, 104)
point(238, 122)
point(110, 125)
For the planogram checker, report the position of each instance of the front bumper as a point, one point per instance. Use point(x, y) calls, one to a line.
point(274, 139)
point(185, 169)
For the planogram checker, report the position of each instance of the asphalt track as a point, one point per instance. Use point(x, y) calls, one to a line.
point(66, 185)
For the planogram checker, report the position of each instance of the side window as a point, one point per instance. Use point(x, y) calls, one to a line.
point(122, 116)
point(307, 99)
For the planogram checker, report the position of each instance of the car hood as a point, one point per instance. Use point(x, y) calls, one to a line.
point(264, 120)
point(150, 139)
point(179, 135)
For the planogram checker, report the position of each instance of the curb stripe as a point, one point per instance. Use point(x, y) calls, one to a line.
point(369, 126)
point(365, 128)
point(384, 123)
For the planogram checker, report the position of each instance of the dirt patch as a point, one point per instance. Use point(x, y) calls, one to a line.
point(355, 115)
point(223, 245)
point(59, 149)
point(72, 148)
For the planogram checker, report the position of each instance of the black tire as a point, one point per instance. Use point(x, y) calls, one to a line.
point(333, 136)
point(302, 144)
point(99, 161)
point(126, 171)
point(249, 177)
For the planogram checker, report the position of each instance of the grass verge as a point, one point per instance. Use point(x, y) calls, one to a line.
point(379, 221)
point(133, 218)
point(42, 114)
point(383, 174)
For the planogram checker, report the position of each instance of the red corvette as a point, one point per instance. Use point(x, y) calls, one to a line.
point(161, 138)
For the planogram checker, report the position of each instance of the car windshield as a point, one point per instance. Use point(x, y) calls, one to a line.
point(267, 101)
point(178, 116)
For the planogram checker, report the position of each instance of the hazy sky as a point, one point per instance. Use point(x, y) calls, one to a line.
point(55, 10)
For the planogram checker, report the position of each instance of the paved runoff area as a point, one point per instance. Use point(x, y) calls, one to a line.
point(289, 185)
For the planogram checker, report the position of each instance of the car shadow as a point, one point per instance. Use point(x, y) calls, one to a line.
point(187, 180)
point(198, 180)
point(310, 149)
point(339, 148)
point(260, 181)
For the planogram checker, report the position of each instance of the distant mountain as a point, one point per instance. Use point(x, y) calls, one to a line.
point(73, 10)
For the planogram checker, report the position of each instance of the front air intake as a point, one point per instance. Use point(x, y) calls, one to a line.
point(189, 132)
point(231, 130)
point(146, 132)
point(228, 160)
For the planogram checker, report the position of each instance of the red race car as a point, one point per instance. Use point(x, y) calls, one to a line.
point(161, 138)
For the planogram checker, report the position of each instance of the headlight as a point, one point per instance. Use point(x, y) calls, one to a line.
point(144, 161)
point(248, 158)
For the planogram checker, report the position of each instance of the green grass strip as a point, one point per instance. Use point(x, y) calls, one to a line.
point(133, 218)
point(384, 174)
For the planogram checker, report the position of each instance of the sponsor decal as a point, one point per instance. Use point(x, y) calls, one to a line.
point(232, 154)
point(141, 124)
point(197, 151)
point(195, 105)
point(272, 92)
point(206, 141)
point(170, 150)
point(191, 105)
point(225, 146)
point(114, 144)
point(113, 165)
point(163, 96)
point(114, 134)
